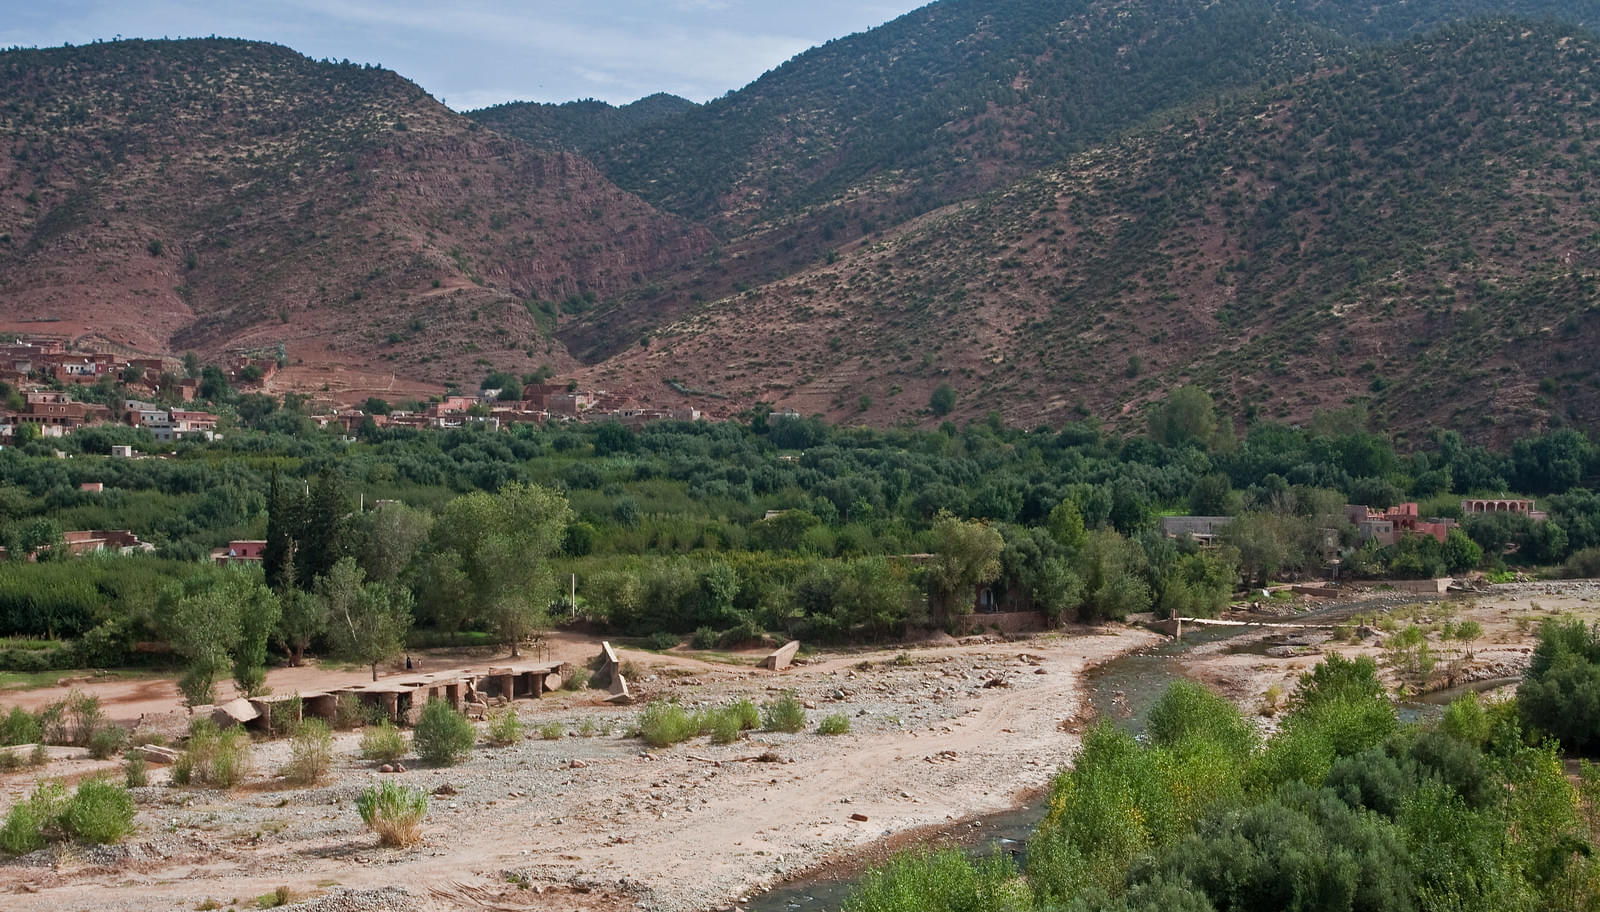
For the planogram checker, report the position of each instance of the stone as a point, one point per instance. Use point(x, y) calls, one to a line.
point(155, 753)
point(782, 657)
point(445, 789)
point(386, 768)
point(859, 817)
point(578, 764)
point(399, 767)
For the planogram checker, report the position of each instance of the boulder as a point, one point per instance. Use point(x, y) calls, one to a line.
point(782, 657)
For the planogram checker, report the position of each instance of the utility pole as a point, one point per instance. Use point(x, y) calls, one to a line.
point(574, 595)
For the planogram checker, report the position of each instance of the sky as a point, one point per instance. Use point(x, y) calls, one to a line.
point(474, 53)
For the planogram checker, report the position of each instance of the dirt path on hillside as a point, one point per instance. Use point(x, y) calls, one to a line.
point(600, 822)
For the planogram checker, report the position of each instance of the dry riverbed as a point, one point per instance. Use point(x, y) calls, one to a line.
point(595, 821)
point(598, 821)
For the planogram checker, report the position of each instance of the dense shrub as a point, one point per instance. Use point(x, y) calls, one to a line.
point(442, 736)
point(505, 727)
point(1560, 694)
point(834, 724)
point(383, 743)
point(394, 812)
point(663, 723)
point(100, 812)
point(107, 741)
point(213, 757)
point(20, 727)
point(310, 753)
point(784, 714)
point(31, 821)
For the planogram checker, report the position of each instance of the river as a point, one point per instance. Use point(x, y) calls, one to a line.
point(1123, 690)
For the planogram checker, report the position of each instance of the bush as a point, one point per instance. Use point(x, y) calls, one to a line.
point(284, 717)
point(213, 757)
point(348, 711)
point(723, 725)
point(704, 638)
point(660, 640)
point(663, 724)
point(784, 714)
point(100, 812)
point(31, 820)
point(834, 724)
point(578, 680)
point(107, 741)
point(748, 713)
point(442, 736)
point(940, 880)
point(383, 743)
point(20, 727)
point(394, 812)
point(552, 731)
point(505, 727)
point(310, 753)
point(135, 770)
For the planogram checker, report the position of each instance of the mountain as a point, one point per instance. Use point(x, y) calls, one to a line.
point(586, 127)
point(216, 194)
point(946, 103)
point(1411, 227)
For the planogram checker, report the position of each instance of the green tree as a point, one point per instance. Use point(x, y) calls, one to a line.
point(966, 554)
point(367, 622)
point(502, 544)
point(389, 538)
point(321, 539)
point(1186, 417)
point(214, 621)
point(943, 400)
point(285, 516)
point(1111, 568)
point(303, 618)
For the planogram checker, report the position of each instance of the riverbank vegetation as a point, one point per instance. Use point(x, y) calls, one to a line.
point(726, 532)
point(1343, 808)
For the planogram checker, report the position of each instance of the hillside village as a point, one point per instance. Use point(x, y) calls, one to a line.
point(57, 389)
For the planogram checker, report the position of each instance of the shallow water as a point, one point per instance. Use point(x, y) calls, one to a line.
point(1123, 690)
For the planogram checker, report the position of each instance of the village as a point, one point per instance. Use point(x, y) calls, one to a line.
point(52, 381)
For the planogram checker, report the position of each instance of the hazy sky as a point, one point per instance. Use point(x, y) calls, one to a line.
point(473, 53)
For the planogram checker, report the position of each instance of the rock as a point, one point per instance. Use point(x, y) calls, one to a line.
point(446, 789)
point(386, 768)
point(578, 764)
point(155, 753)
point(1040, 671)
point(860, 817)
point(399, 767)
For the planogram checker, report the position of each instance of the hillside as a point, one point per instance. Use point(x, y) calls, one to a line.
point(219, 194)
point(1412, 228)
point(953, 100)
point(587, 126)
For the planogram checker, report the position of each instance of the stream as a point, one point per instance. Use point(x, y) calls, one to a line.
point(1123, 690)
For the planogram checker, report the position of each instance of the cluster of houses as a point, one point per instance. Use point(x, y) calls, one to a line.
point(1384, 526)
point(540, 403)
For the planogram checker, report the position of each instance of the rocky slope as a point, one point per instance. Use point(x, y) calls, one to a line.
point(217, 194)
point(1411, 228)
